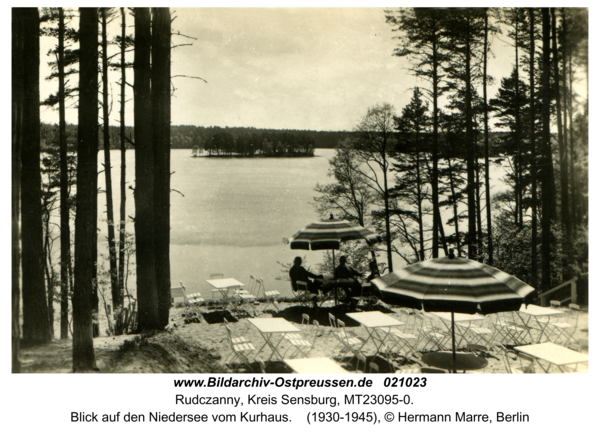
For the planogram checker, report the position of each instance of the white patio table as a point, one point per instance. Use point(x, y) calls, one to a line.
point(553, 354)
point(227, 288)
point(380, 326)
point(467, 327)
point(536, 319)
point(315, 365)
point(270, 328)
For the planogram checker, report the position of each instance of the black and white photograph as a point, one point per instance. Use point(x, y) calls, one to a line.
point(278, 191)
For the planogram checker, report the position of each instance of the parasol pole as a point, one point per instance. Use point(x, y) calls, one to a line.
point(333, 274)
point(453, 340)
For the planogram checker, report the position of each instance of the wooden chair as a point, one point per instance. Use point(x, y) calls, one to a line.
point(303, 343)
point(269, 295)
point(303, 296)
point(349, 341)
point(241, 350)
point(510, 360)
point(179, 293)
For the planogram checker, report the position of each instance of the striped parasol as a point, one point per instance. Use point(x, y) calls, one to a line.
point(328, 234)
point(455, 285)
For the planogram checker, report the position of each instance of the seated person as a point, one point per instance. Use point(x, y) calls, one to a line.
point(299, 273)
point(374, 269)
point(343, 271)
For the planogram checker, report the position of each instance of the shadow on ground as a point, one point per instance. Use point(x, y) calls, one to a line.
point(295, 312)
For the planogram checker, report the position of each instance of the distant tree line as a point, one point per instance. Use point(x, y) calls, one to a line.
point(250, 141)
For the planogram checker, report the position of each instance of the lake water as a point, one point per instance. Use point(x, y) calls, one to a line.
point(230, 215)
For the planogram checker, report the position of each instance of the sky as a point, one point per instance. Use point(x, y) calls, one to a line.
point(283, 68)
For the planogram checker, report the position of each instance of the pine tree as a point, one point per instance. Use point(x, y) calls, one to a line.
point(85, 296)
point(422, 41)
point(373, 143)
point(145, 230)
point(161, 119)
point(465, 31)
point(106, 14)
point(413, 127)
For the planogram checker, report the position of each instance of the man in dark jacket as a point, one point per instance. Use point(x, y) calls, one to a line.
point(351, 285)
point(299, 273)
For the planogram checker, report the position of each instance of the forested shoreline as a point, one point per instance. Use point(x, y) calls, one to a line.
point(235, 140)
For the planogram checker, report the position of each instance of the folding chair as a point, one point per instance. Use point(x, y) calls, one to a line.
point(303, 343)
point(478, 334)
point(349, 341)
point(192, 298)
point(507, 332)
point(402, 343)
point(563, 332)
point(240, 350)
point(270, 295)
point(195, 298)
point(179, 292)
point(481, 351)
point(236, 340)
point(252, 285)
point(525, 362)
point(408, 318)
point(247, 299)
point(303, 296)
point(332, 320)
point(431, 334)
point(363, 299)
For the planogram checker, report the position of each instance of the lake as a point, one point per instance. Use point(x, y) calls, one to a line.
point(230, 215)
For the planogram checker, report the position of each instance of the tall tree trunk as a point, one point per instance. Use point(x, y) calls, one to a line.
point(65, 229)
point(566, 125)
point(472, 225)
point(386, 201)
point(547, 212)
point(23, 23)
point(563, 158)
point(144, 177)
point(36, 324)
point(48, 266)
point(574, 185)
point(434, 150)
point(419, 195)
point(122, 210)
point(110, 216)
point(534, 169)
point(519, 173)
point(488, 201)
point(161, 119)
point(87, 185)
point(454, 202)
point(478, 208)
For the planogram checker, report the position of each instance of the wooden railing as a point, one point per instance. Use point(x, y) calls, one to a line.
point(545, 297)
